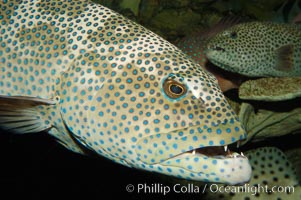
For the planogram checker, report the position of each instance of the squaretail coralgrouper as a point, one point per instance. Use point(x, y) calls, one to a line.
point(258, 49)
point(98, 81)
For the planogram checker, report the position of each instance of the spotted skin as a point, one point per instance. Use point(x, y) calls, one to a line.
point(258, 49)
point(194, 46)
point(94, 79)
point(274, 177)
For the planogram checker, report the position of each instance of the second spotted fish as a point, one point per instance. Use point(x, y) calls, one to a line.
point(97, 81)
point(258, 49)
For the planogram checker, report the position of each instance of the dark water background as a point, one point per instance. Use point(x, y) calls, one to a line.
point(37, 167)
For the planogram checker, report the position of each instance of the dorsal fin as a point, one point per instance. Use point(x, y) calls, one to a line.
point(21, 114)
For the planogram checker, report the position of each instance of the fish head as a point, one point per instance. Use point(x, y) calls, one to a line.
point(242, 48)
point(138, 100)
point(173, 119)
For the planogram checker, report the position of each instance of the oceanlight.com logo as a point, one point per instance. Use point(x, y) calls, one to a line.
point(158, 188)
point(251, 189)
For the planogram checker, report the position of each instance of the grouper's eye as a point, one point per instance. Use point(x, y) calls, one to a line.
point(174, 89)
point(233, 35)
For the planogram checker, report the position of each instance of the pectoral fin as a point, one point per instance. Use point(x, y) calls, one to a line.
point(21, 114)
point(284, 58)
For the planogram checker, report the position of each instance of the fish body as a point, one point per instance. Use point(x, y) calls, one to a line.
point(258, 49)
point(97, 81)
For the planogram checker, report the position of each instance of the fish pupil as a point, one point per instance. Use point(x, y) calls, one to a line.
point(176, 89)
point(233, 35)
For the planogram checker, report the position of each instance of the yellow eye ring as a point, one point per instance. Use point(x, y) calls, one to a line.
point(174, 89)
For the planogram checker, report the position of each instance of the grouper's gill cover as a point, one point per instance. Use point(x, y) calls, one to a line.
point(94, 79)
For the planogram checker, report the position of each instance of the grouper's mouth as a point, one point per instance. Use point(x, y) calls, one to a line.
point(211, 164)
point(210, 142)
point(214, 55)
point(216, 48)
point(218, 152)
point(212, 152)
point(198, 153)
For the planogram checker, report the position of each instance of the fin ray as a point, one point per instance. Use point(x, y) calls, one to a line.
point(21, 114)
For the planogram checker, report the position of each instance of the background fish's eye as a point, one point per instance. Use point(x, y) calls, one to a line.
point(233, 35)
point(174, 89)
